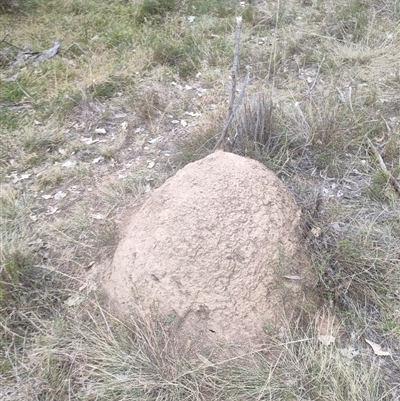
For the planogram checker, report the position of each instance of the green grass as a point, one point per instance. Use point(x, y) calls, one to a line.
point(324, 82)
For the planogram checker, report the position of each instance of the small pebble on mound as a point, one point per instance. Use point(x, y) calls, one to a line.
point(210, 250)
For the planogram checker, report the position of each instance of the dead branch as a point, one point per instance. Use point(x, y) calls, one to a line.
point(233, 106)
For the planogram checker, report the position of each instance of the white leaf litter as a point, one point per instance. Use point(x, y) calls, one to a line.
point(326, 339)
point(97, 216)
point(189, 113)
point(51, 210)
point(60, 195)
point(100, 131)
point(89, 141)
point(47, 197)
point(147, 188)
point(97, 159)
point(124, 125)
point(33, 217)
point(22, 177)
point(184, 123)
point(378, 349)
point(68, 164)
point(175, 121)
point(150, 165)
point(61, 151)
point(293, 277)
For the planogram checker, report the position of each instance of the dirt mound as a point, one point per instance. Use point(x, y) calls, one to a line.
point(210, 250)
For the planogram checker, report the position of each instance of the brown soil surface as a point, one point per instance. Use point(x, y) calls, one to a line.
point(215, 249)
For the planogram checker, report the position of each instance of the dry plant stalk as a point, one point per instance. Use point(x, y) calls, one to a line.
point(232, 108)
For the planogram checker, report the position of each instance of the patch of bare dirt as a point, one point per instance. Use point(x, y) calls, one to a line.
point(216, 250)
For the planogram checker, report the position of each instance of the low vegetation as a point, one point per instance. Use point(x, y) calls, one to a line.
point(137, 90)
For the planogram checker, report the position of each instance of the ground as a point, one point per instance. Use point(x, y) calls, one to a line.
point(137, 90)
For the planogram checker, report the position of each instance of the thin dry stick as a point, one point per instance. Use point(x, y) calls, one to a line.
point(393, 181)
point(232, 108)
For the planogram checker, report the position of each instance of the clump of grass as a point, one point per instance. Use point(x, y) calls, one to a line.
point(348, 20)
point(140, 359)
point(154, 11)
point(254, 132)
point(42, 140)
point(17, 239)
point(181, 53)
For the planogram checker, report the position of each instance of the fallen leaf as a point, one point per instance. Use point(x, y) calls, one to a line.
point(184, 123)
point(175, 121)
point(100, 131)
point(59, 195)
point(293, 277)
point(47, 197)
point(97, 159)
point(52, 210)
point(150, 165)
point(326, 339)
point(189, 113)
point(378, 349)
point(89, 141)
point(97, 216)
point(68, 164)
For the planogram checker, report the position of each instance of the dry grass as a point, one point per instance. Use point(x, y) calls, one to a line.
point(137, 91)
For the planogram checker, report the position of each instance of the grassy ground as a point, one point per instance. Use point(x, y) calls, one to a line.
point(136, 91)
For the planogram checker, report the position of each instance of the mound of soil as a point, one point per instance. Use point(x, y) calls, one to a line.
point(215, 250)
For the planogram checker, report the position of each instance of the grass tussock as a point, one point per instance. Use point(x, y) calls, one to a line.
point(139, 89)
point(141, 360)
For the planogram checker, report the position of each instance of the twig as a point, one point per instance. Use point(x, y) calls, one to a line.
point(393, 181)
point(235, 65)
point(233, 106)
point(220, 143)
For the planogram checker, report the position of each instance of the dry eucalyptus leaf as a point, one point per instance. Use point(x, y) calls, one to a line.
point(60, 195)
point(68, 164)
point(378, 349)
point(89, 141)
point(100, 131)
point(293, 277)
point(97, 216)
